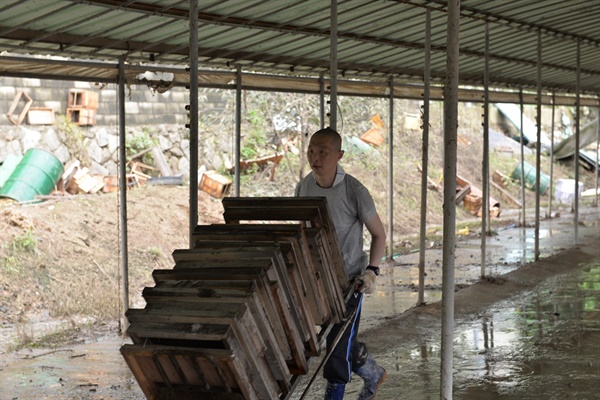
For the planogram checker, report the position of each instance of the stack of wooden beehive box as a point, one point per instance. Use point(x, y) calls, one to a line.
point(82, 106)
point(239, 315)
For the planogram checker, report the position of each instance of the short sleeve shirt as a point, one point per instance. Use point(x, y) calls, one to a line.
point(351, 205)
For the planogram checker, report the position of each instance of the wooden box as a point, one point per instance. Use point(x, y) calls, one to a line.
point(81, 116)
point(80, 98)
point(228, 326)
point(172, 372)
point(287, 236)
point(40, 116)
point(249, 254)
point(311, 212)
point(215, 184)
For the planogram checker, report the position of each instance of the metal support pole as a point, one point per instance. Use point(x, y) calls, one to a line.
point(333, 67)
point(597, 155)
point(238, 127)
point(538, 146)
point(193, 117)
point(551, 157)
point(523, 219)
point(449, 208)
point(123, 200)
point(391, 173)
point(425, 157)
point(322, 100)
point(577, 132)
point(485, 172)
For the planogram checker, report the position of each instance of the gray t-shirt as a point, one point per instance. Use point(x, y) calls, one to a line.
point(350, 204)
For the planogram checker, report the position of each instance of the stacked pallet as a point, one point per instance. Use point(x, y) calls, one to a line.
point(240, 314)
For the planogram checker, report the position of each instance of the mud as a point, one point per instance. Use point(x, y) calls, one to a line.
point(530, 330)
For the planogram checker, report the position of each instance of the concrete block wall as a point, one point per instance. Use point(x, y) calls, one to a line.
point(143, 107)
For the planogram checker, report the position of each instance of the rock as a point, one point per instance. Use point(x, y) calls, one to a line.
point(52, 140)
point(102, 137)
point(94, 151)
point(113, 143)
point(176, 151)
point(165, 143)
point(14, 147)
point(174, 137)
point(106, 156)
point(184, 167)
point(62, 153)
point(111, 167)
point(185, 147)
point(98, 169)
point(31, 139)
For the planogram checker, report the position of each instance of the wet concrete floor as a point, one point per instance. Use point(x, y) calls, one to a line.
point(531, 332)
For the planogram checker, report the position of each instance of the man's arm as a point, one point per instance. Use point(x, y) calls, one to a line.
point(366, 282)
point(377, 231)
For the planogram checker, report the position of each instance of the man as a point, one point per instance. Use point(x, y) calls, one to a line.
point(351, 207)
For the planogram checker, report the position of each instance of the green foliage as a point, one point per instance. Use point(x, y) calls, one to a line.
point(21, 246)
point(72, 136)
point(10, 264)
point(139, 142)
point(26, 242)
point(154, 252)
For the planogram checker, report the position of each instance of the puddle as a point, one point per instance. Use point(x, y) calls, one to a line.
point(542, 344)
point(91, 371)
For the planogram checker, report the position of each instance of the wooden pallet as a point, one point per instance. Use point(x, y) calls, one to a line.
point(172, 372)
point(248, 255)
point(310, 212)
point(292, 239)
point(238, 315)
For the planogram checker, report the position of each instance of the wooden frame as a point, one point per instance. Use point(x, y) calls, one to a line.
point(15, 104)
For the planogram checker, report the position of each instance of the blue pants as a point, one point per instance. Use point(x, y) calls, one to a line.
point(349, 354)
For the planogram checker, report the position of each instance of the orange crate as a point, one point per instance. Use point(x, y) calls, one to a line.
point(81, 116)
point(215, 184)
point(83, 98)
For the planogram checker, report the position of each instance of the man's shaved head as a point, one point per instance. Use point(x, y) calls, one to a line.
point(335, 137)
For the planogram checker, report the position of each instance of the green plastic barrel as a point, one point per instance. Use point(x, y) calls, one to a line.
point(530, 177)
point(36, 174)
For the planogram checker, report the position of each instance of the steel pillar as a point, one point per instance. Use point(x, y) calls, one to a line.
point(238, 127)
point(449, 208)
point(485, 170)
point(577, 133)
point(551, 158)
point(391, 172)
point(424, 157)
point(193, 118)
point(333, 67)
point(123, 200)
point(538, 146)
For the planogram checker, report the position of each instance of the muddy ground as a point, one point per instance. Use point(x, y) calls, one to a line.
point(516, 335)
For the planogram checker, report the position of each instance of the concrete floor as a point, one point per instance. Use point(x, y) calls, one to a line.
point(531, 331)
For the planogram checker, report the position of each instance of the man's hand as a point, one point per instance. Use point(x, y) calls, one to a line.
point(365, 283)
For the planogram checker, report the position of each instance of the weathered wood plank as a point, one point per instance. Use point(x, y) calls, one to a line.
point(210, 373)
point(232, 336)
point(281, 234)
point(216, 291)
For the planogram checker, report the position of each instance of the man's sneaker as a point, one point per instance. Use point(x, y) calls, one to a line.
point(373, 375)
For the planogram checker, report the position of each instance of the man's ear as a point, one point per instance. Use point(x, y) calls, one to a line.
point(340, 155)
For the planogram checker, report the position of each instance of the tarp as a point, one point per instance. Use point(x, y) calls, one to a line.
point(513, 113)
point(566, 148)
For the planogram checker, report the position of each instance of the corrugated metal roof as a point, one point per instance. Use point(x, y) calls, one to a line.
point(376, 38)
